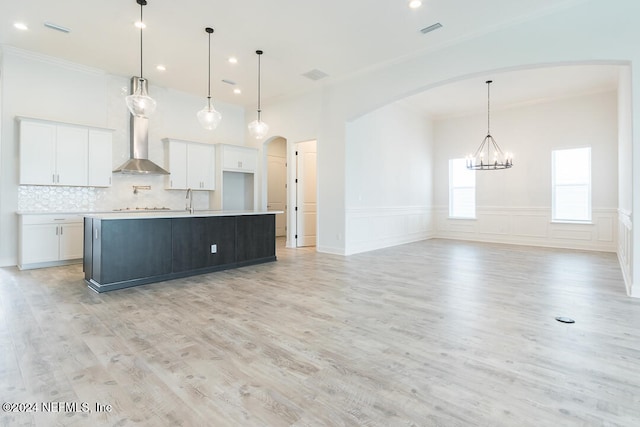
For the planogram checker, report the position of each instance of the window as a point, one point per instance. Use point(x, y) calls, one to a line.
point(462, 190)
point(571, 184)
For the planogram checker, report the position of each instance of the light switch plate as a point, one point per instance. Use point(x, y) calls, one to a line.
point(214, 249)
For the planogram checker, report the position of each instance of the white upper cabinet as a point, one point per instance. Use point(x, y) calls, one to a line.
point(191, 165)
point(72, 148)
point(201, 167)
point(54, 153)
point(37, 153)
point(176, 163)
point(238, 159)
point(236, 179)
point(100, 158)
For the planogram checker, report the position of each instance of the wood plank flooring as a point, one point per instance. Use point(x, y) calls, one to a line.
point(434, 333)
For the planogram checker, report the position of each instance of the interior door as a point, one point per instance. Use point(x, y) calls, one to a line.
point(306, 194)
point(277, 191)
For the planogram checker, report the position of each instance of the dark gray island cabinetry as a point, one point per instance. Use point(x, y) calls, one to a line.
point(124, 250)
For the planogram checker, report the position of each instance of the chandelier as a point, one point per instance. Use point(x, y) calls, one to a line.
point(489, 156)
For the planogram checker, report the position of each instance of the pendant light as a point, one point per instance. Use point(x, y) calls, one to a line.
point(489, 156)
point(140, 103)
point(208, 117)
point(257, 128)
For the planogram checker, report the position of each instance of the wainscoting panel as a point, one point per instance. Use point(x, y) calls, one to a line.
point(605, 229)
point(375, 228)
point(572, 232)
point(493, 223)
point(625, 246)
point(531, 226)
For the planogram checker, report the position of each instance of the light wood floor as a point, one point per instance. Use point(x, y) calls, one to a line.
point(434, 333)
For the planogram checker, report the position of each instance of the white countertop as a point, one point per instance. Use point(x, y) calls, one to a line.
point(59, 212)
point(172, 214)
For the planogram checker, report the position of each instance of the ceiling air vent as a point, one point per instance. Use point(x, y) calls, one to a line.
point(315, 74)
point(57, 27)
point(430, 28)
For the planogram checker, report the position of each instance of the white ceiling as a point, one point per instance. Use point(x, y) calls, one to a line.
point(339, 37)
point(514, 88)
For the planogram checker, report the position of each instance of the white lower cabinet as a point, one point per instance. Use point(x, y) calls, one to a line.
point(47, 239)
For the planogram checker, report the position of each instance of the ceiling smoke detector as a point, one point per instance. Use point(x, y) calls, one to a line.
point(430, 28)
point(315, 74)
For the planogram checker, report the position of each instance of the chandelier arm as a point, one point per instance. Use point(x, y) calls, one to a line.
point(496, 147)
point(481, 147)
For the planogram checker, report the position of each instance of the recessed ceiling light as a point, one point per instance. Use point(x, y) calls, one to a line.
point(233, 60)
point(21, 26)
point(161, 67)
point(237, 91)
point(140, 24)
point(414, 4)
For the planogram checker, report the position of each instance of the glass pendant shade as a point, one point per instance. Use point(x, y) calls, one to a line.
point(140, 103)
point(258, 129)
point(209, 117)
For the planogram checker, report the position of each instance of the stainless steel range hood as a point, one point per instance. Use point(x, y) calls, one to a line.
point(139, 163)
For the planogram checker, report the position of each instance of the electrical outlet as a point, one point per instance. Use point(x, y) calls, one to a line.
point(214, 249)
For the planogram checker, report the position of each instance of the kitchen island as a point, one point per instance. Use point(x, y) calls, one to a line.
point(130, 249)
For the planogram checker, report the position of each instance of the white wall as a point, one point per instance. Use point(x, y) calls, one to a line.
point(37, 86)
point(514, 205)
point(625, 174)
point(389, 184)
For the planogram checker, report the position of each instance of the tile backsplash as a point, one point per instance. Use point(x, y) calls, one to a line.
point(39, 198)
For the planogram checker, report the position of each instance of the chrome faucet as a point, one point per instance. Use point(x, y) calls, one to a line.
point(190, 198)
